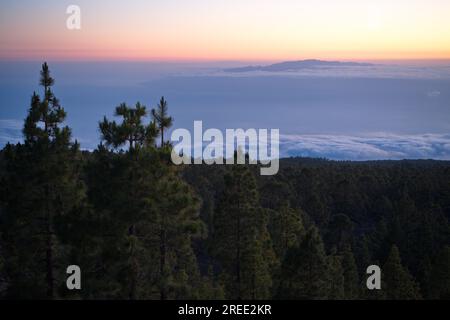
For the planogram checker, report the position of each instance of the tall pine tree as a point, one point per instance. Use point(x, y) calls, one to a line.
point(398, 284)
point(305, 270)
point(43, 191)
point(149, 212)
point(242, 243)
point(440, 276)
point(350, 271)
point(161, 117)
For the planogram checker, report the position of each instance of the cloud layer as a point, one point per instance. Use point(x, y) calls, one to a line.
point(10, 131)
point(378, 146)
point(368, 147)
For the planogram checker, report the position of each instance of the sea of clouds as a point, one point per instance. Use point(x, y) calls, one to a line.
point(342, 113)
point(380, 146)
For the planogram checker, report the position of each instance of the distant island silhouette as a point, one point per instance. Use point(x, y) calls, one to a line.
point(298, 65)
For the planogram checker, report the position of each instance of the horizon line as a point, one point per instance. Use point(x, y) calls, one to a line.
point(210, 60)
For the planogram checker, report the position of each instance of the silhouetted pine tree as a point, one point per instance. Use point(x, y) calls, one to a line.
point(3, 277)
point(339, 232)
point(131, 130)
point(43, 191)
point(336, 278)
point(305, 270)
point(286, 229)
point(176, 224)
point(350, 272)
point(439, 285)
point(398, 284)
point(161, 117)
point(242, 243)
point(151, 214)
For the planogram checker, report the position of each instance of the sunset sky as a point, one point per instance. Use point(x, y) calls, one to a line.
point(227, 30)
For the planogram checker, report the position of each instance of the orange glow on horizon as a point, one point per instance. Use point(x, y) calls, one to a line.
point(251, 30)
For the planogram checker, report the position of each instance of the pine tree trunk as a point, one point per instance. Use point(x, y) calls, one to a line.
point(162, 261)
point(254, 286)
point(49, 263)
point(133, 280)
point(49, 251)
point(238, 259)
point(238, 251)
point(134, 267)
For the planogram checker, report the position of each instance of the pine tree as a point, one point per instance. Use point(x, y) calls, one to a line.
point(3, 276)
point(398, 284)
point(339, 232)
point(305, 270)
point(440, 276)
point(350, 271)
point(131, 130)
point(210, 288)
point(241, 242)
point(336, 278)
point(161, 117)
point(43, 192)
point(151, 214)
point(286, 229)
point(138, 136)
point(176, 224)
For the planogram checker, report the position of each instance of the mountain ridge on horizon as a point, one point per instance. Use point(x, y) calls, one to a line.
point(297, 65)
